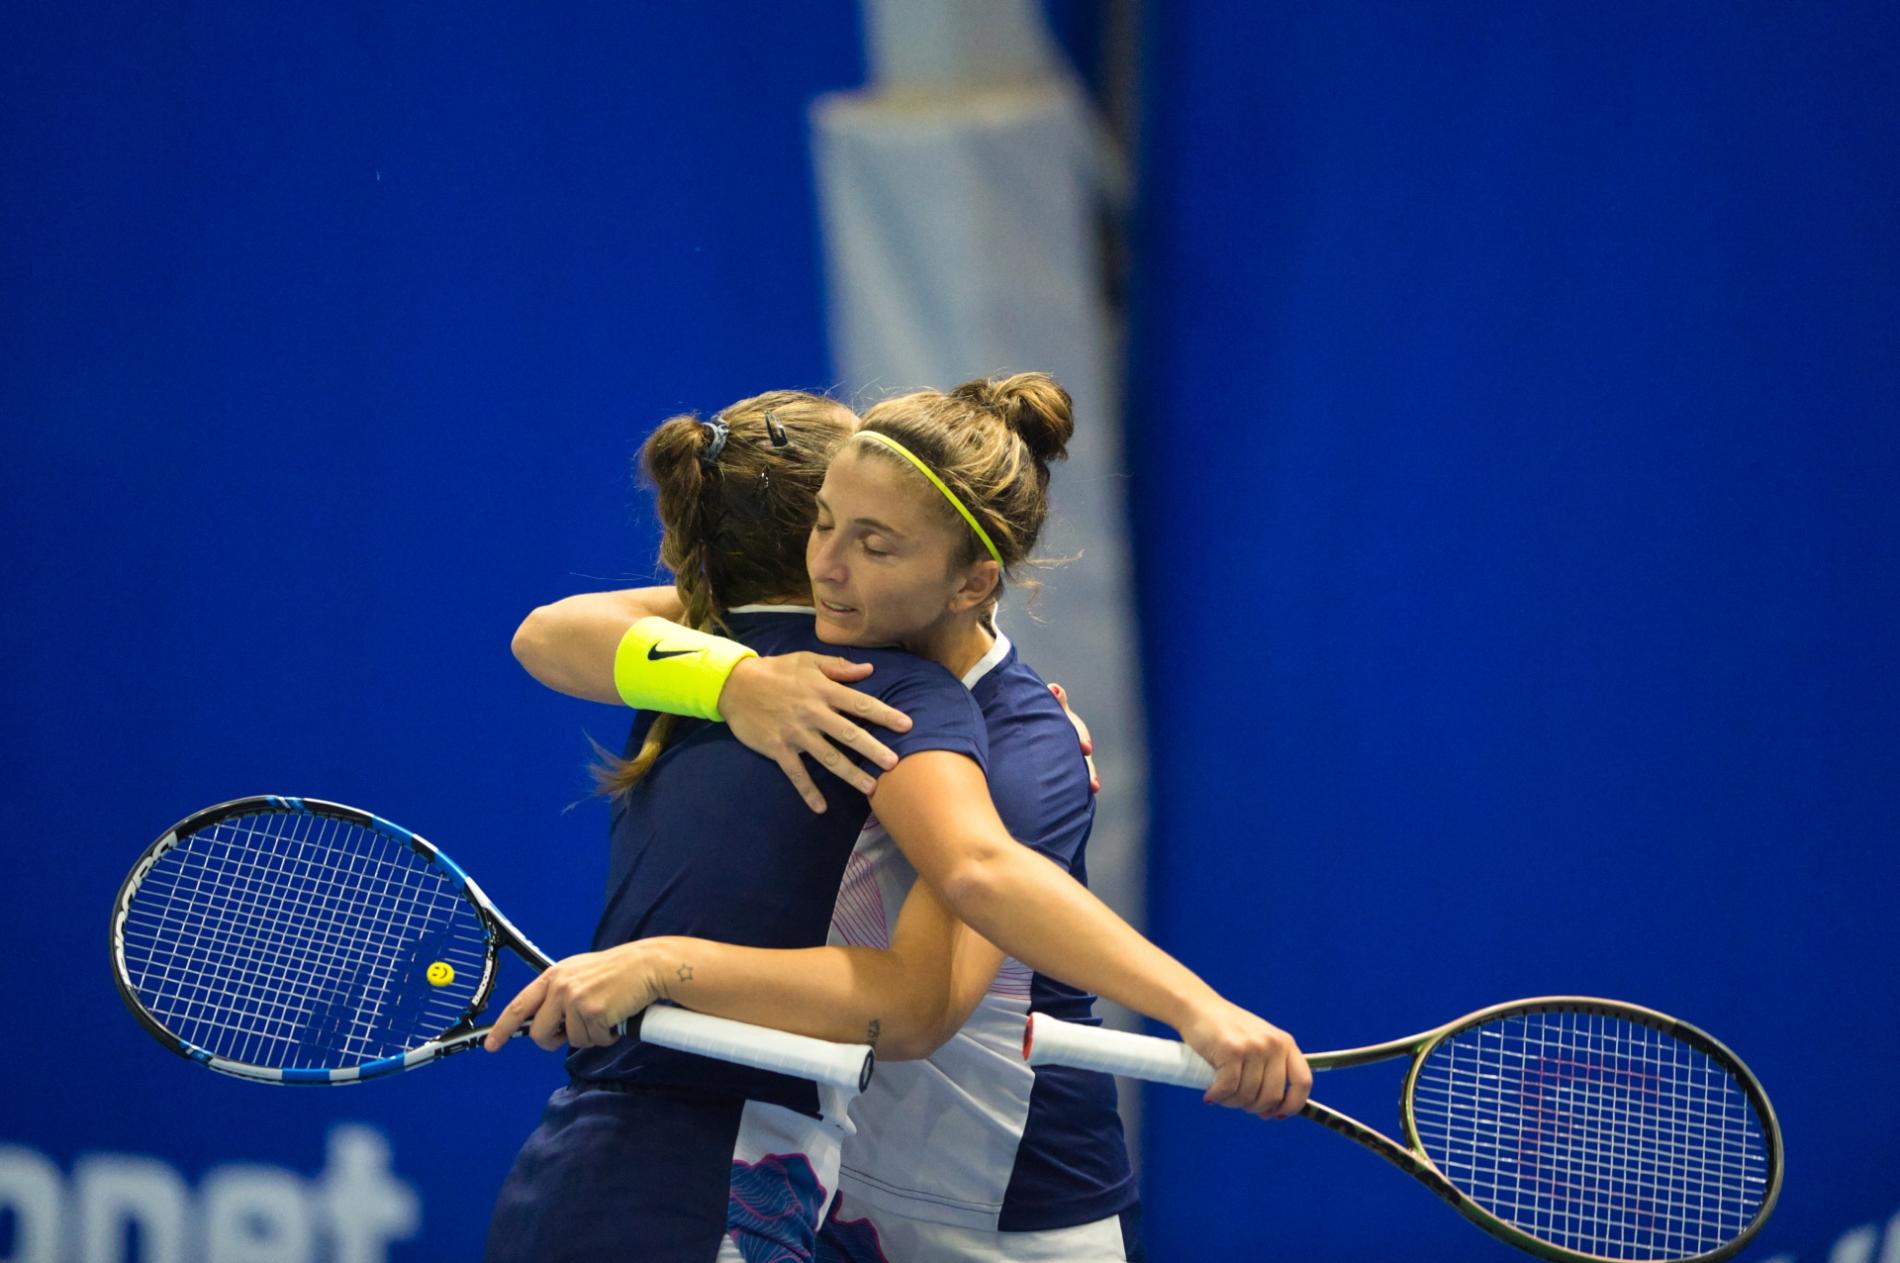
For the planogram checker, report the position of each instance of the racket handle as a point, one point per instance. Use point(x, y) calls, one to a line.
point(1049, 1041)
point(844, 1066)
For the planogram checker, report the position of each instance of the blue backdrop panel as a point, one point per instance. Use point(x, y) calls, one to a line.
point(1512, 415)
point(328, 337)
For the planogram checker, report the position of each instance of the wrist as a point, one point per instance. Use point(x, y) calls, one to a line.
point(633, 961)
point(663, 966)
point(1191, 1005)
point(660, 666)
point(732, 689)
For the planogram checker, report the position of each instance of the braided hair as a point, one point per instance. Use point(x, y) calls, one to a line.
point(736, 496)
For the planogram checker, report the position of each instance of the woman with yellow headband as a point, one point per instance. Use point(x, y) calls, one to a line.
point(966, 1153)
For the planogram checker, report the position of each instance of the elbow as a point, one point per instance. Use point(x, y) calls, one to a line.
point(904, 1045)
point(917, 1034)
point(529, 638)
point(970, 886)
point(919, 1015)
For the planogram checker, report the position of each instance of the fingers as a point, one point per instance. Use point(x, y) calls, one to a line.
point(834, 761)
point(1285, 1080)
point(1299, 1080)
point(794, 769)
point(802, 706)
point(518, 1010)
point(1082, 736)
point(577, 1001)
point(1255, 1079)
point(1081, 728)
point(1226, 1081)
point(548, 1030)
point(841, 669)
point(1257, 1066)
point(867, 709)
point(1272, 1086)
point(587, 1029)
point(1257, 1083)
point(855, 739)
point(820, 750)
point(852, 737)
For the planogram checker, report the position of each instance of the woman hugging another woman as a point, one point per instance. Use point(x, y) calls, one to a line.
point(961, 1151)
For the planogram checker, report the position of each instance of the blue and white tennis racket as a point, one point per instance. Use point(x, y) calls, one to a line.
point(1580, 1130)
point(290, 940)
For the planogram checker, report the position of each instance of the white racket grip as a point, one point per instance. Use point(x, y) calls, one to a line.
point(844, 1066)
point(1049, 1041)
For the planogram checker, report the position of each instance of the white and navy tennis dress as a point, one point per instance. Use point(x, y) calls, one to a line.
point(972, 1153)
point(667, 1157)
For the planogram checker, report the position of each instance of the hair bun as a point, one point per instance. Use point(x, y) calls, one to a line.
point(671, 453)
point(1034, 405)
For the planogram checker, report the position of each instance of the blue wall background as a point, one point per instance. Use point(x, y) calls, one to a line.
point(1513, 409)
point(1513, 393)
point(329, 338)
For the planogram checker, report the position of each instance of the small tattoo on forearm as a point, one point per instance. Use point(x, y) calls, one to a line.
point(685, 973)
point(871, 1034)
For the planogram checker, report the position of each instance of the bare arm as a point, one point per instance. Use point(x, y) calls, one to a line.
point(904, 1000)
point(569, 644)
point(786, 707)
point(937, 806)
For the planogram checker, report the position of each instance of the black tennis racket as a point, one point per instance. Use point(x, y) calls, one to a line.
point(1574, 1128)
point(289, 940)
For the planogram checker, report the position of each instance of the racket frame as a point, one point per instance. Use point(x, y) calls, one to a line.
point(1171, 1062)
point(1411, 1156)
point(458, 1037)
point(661, 1025)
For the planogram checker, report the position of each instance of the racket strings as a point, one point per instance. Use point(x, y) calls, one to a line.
point(282, 939)
point(199, 934)
point(271, 941)
point(1594, 1133)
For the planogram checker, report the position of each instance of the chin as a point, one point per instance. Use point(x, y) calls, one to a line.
point(831, 633)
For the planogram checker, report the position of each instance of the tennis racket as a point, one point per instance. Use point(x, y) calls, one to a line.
point(1570, 1127)
point(289, 940)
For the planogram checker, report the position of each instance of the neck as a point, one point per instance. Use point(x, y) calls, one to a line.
point(956, 644)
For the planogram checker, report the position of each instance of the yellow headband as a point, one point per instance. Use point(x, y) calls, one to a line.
point(938, 483)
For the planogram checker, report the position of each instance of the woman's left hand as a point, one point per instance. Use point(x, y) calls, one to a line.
point(582, 1000)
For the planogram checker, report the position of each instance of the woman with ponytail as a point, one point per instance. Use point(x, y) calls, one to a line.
point(658, 1155)
point(965, 1153)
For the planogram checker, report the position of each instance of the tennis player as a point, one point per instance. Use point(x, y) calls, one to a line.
point(658, 1155)
point(969, 1154)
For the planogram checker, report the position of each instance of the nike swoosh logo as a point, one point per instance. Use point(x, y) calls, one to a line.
point(655, 653)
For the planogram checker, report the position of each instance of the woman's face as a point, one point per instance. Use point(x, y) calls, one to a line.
point(881, 556)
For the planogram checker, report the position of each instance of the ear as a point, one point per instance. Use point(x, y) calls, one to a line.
point(977, 585)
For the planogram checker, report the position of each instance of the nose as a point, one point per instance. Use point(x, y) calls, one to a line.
point(824, 558)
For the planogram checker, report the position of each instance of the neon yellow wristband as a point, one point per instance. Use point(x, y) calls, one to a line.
point(675, 670)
